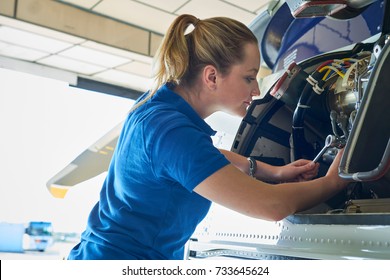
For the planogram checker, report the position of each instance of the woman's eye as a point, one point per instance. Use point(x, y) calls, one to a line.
point(249, 79)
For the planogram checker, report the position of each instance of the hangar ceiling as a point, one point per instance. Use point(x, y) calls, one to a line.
point(109, 42)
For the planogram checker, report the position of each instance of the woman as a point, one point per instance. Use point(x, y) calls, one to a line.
point(165, 171)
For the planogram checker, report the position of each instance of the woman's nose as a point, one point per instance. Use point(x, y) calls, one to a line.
point(256, 91)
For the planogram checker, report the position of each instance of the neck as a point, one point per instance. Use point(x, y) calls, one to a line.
point(197, 100)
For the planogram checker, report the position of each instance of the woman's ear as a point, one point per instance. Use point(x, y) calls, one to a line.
point(210, 77)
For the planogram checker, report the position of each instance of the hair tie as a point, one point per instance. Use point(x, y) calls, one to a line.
point(196, 22)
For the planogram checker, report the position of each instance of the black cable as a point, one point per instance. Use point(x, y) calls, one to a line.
point(299, 146)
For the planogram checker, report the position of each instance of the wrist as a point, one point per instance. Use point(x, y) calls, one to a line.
point(269, 173)
point(336, 181)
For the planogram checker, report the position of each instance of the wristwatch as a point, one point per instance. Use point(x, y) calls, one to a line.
point(252, 166)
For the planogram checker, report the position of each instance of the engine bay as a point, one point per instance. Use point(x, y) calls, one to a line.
point(332, 101)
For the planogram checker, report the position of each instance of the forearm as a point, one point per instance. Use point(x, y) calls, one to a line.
point(231, 188)
point(305, 195)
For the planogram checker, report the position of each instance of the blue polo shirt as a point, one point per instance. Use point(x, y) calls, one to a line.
point(147, 207)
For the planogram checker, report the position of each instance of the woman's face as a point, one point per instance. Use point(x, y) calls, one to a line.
point(239, 86)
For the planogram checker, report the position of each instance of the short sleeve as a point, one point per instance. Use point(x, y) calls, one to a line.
point(185, 154)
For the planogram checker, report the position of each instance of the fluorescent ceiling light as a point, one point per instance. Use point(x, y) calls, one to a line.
point(71, 65)
point(94, 56)
point(252, 6)
point(169, 6)
point(138, 68)
point(30, 40)
point(20, 52)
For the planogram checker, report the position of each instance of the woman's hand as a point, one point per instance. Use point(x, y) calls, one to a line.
point(297, 171)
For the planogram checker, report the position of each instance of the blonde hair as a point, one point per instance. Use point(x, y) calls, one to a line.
point(183, 53)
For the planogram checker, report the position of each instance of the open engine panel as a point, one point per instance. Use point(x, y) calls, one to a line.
point(343, 95)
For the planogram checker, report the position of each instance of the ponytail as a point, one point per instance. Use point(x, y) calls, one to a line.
point(183, 52)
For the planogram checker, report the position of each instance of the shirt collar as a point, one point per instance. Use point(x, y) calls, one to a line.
point(167, 95)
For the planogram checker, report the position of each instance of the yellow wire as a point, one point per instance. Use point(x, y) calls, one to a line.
point(326, 75)
point(331, 68)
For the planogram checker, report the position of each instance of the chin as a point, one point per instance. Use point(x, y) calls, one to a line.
point(237, 111)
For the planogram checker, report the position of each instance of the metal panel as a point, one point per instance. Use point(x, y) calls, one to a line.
point(71, 20)
point(7, 7)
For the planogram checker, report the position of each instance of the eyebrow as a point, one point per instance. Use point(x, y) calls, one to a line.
point(255, 70)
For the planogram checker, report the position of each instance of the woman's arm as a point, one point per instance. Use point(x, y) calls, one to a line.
point(300, 170)
point(233, 189)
